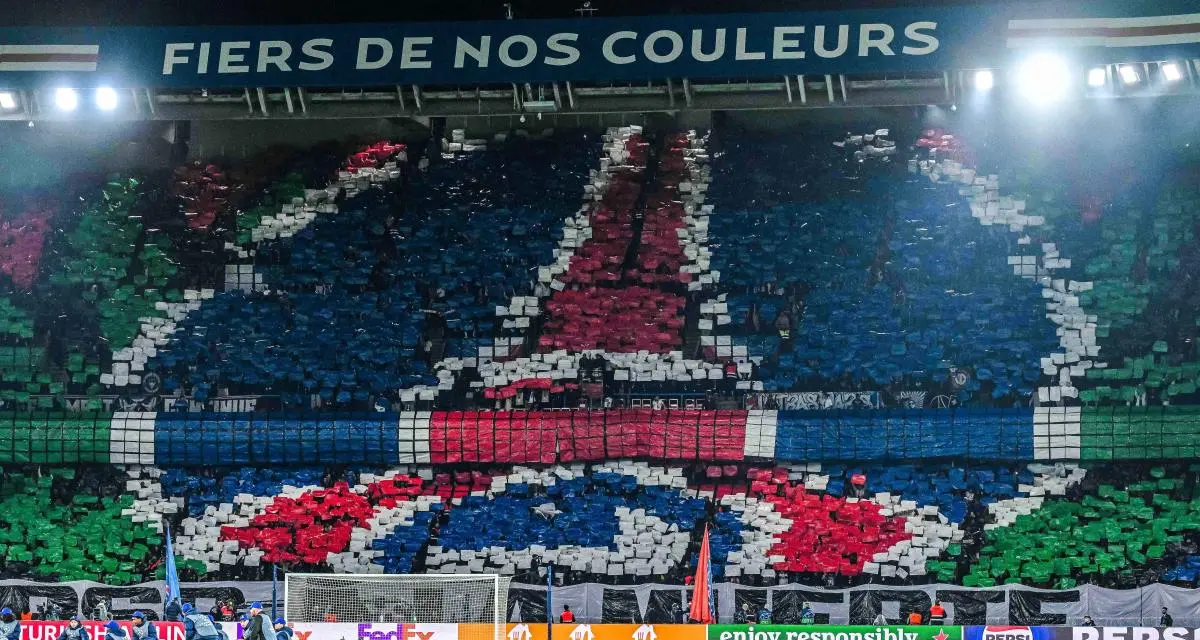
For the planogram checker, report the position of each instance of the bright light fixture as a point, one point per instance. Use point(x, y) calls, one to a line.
point(1097, 76)
point(984, 80)
point(1129, 75)
point(106, 98)
point(66, 99)
point(1171, 71)
point(8, 100)
point(1044, 77)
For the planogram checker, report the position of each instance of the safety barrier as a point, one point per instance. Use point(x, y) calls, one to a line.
point(49, 630)
point(266, 438)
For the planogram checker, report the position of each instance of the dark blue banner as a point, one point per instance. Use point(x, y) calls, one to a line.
point(762, 45)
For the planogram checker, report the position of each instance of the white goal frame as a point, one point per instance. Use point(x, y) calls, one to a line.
point(498, 585)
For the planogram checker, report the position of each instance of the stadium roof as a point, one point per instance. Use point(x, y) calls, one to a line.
point(241, 12)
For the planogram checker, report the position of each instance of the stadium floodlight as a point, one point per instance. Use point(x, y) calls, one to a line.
point(1044, 77)
point(107, 99)
point(8, 100)
point(1171, 72)
point(66, 99)
point(984, 80)
point(1129, 74)
point(1097, 77)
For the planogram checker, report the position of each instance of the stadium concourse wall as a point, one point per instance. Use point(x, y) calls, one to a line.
point(657, 603)
point(530, 437)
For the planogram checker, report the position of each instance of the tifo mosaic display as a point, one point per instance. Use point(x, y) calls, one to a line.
point(977, 524)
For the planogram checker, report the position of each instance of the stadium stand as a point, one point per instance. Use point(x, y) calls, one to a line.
point(355, 278)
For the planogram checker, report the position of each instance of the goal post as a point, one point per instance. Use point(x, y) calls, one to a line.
point(480, 602)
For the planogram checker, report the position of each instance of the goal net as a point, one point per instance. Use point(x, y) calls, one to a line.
point(480, 602)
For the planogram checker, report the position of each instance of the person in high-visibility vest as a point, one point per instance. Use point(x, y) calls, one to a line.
point(937, 613)
point(198, 626)
point(74, 631)
point(282, 630)
point(567, 617)
point(914, 618)
point(10, 627)
point(143, 629)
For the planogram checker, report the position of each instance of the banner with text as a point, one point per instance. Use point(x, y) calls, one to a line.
point(831, 632)
point(596, 49)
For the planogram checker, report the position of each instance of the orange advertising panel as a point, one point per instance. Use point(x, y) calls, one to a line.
point(627, 632)
point(512, 631)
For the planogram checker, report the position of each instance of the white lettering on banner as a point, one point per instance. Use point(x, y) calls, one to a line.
point(171, 57)
point(843, 41)
point(323, 59)
point(528, 48)
point(914, 31)
point(740, 52)
point(607, 48)
point(883, 43)
point(413, 58)
point(783, 47)
point(228, 58)
point(364, 51)
point(556, 44)
point(698, 46)
point(202, 66)
point(266, 57)
point(1145, 633)
point(661, 46)
point(671, 55)
point(49, 630)
point(479, 54)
